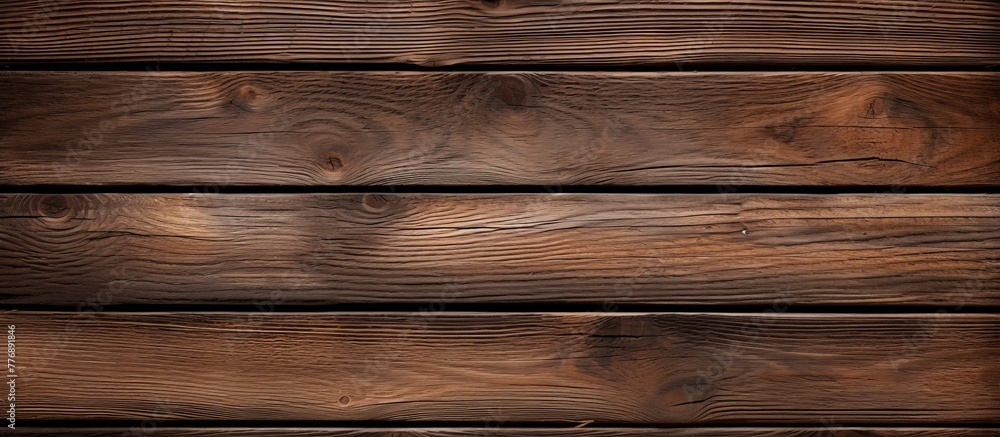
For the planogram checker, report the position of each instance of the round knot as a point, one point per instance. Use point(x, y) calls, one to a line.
point(334, 162)
point(375, 202)
point(54, 207)
point(514, 89)
point(247, 98)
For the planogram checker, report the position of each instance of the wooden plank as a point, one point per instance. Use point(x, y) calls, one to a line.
point(497, 430)
point(673, 368)
point(403, 128)
point(859, 249)
point(434, 33)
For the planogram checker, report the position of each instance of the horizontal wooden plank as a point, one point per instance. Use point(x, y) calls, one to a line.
point(402, 128)
point(435, 32)
point(667, 368)
point(101, 249)
point(497, 430)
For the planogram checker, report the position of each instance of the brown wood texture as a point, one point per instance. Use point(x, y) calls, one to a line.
point(480, 368)
point(436, 32)
point(496, 429)
point(864, 249)
point(420, 128)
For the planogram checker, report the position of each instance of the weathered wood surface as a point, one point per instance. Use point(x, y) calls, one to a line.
point(434, 32)
point(667, 368)
point(497, 429)
point(404, 128)
point(864, 249)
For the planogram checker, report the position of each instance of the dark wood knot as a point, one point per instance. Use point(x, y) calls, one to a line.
point(247, 98)
point(334, 162)
point(375, 202)
point(514, 90)
point(55, 207)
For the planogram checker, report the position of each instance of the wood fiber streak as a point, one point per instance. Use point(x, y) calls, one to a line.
point(667, 368)
point(832, 430)
point(863, 249)
point(435, 32)
point(418, 128)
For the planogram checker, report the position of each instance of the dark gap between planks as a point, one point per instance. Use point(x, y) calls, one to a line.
point(411, 425)
point(222, 66)
point(511, 308)
point(491, 189)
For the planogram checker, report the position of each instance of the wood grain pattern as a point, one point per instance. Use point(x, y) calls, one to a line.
point(101, 249)
point(404, 128)
point(828, 431)
point(667, 368)
point(434, 33)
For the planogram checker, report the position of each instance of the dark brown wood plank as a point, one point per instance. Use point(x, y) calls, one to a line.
point(434, 32)
point(402, 128)
point(495, 429)
point(672, 368)
point(865, 249)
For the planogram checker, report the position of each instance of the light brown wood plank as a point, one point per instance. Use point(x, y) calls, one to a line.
point(434, 32)
point(495, 429)
point(405, 128)
point(672, 368)
point(865, 249)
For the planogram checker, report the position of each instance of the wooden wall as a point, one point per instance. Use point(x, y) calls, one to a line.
point(500, 217)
